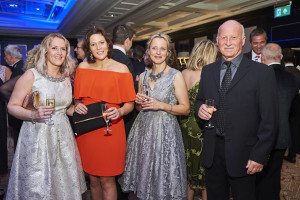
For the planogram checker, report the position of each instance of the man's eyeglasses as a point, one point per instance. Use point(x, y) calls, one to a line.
point(78, 47)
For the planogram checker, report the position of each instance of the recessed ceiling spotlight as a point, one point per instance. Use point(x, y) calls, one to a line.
point(13, 5)
point(112, 15)
point(37, 9)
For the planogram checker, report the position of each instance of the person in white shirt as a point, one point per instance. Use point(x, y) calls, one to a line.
point(258, 39)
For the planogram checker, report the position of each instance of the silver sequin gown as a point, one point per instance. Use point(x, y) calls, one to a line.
point(47, 163)
point(155, 160)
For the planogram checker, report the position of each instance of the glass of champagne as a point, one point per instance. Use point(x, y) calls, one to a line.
point(104, 114)
point(50, 101)
point(145, 89)
point(210, 103)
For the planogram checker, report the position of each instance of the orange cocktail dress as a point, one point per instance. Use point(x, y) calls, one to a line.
point(103, 155)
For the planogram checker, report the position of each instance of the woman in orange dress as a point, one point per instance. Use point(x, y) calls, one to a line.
point(103, 79)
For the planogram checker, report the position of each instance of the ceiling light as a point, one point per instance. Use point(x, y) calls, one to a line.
point(13, 5)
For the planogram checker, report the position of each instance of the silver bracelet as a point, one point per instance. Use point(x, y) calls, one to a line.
point(171, 108)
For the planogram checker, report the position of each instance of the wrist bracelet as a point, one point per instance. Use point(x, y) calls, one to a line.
point(32, 117)
point(171, 108)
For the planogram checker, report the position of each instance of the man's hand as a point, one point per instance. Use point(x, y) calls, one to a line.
point(254, 167)
point(203, 112)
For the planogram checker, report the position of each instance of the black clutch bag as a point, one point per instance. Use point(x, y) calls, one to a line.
point(90, 121)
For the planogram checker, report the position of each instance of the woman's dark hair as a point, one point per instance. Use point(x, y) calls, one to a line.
point(86, 44)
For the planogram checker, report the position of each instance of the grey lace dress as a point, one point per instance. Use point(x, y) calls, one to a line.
point(46, 163)
point(155, 160)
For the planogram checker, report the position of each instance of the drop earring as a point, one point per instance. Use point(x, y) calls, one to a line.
point(91, 56)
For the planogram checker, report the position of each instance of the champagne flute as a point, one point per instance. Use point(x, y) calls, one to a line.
point(104, 114)
point(145, 89)
point(50, 101)
point(210, 106)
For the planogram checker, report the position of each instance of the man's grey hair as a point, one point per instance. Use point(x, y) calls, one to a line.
point(272, 51)
point(14, 50)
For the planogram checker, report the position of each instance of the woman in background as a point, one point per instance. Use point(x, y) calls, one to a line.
point(203, 53)
point(46, 163)
point(103, 79)
point(155, 162)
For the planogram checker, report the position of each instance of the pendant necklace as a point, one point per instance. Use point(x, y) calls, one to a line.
point(157, 76)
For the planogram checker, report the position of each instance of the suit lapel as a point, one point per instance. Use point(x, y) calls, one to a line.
point(216, 73)
point(241, 71)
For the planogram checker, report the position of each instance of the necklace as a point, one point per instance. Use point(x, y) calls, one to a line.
point(53, 79)
point(157, 76)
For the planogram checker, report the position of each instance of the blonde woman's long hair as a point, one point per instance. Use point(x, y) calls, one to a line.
point(31, 56)
point(41, 56)
point(203, 53)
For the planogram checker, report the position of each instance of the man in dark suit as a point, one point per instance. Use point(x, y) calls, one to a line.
point(258, 39)
point(13, 58)
point(122, 40)
point(288, 60)
point(239, 144)
point(268, 181)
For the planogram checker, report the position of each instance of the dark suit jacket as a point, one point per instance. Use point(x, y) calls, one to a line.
point(18, 69)
point(248, 55)
point(250, 118)
point(122, 58)
point(119, 56)
point(287, 88)
point(7, 88)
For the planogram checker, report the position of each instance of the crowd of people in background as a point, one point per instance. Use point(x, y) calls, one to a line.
point(164, 140)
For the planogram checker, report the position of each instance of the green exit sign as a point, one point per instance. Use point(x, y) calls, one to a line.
point(282, 11)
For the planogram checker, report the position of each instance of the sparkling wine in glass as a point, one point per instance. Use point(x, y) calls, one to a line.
point(145, 89)
point(104, 114)
point(210, 103)
point(50, 101)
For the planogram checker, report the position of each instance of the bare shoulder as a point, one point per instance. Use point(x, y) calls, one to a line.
point(179, 76)
point(118, 67)
point(28, 75)
point(83, 65)
point(26, 80)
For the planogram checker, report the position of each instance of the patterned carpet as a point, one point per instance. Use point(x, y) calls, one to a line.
point(290, 180)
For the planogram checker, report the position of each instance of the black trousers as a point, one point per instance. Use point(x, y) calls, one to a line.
point(268, 181)
point(219, 183)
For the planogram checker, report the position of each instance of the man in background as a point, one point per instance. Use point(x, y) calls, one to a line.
point(122, 40)
point(268, 181)
point(13, 58)
point(79, 50)
point(288, 60)
point(258, 39)
point(122, 37)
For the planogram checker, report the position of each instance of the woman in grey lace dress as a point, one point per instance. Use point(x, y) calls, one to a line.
point(155, 159)
point(46, 164)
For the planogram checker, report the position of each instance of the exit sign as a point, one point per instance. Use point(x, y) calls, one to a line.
point(282, 11)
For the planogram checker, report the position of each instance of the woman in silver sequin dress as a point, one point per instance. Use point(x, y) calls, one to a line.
point(46, 164)
point(155, 160)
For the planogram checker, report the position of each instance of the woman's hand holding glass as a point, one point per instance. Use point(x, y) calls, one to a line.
point(151, 104)
point(42, 113)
